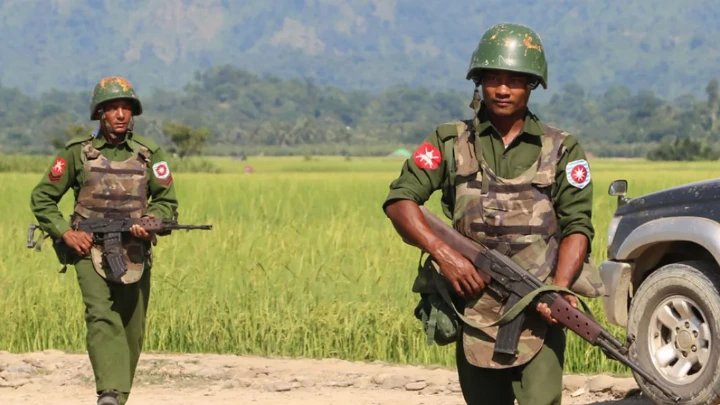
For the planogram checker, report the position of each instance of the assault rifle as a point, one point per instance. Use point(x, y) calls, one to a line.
point(108, 232)
point(511, 283)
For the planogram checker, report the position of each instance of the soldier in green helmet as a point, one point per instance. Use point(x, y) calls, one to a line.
point(517, 185)
point(112, 173)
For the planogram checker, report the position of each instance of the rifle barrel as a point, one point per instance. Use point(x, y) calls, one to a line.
point(615, 354)
point(205, 227)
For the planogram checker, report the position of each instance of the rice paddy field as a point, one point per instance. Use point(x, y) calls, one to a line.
point(301, 262)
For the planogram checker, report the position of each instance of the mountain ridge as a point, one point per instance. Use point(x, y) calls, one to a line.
point(668, 47)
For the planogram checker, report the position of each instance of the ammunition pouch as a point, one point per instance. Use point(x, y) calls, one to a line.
point(587, 282)
point(65, 254)
point(439, 320)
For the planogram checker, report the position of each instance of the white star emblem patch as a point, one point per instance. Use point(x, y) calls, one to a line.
point(578, 173)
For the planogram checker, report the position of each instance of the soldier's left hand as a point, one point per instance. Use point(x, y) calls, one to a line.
point(546, 313)
point(140, 232)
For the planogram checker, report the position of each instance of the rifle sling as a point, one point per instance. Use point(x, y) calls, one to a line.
point(431, 324)
point(511, 313)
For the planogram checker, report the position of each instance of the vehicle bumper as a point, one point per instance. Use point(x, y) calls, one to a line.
point(616, 278)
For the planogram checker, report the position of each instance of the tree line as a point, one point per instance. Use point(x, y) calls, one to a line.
point(226, 110)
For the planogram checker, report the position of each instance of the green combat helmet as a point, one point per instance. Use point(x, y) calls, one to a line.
point(510, 47)
point(113, 88)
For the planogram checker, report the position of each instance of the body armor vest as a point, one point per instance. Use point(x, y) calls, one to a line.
point(115, 190)
point(515, 216)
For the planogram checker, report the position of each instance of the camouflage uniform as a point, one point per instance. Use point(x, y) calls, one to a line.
point(521, 200)
point(109, 180)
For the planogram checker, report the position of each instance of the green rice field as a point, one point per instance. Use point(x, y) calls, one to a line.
point(301, 262)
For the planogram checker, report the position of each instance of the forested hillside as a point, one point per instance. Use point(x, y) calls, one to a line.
point(249, 114)
point(667, 46)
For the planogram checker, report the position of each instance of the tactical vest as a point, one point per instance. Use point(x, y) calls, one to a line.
point(117, 190)
point(516, 217)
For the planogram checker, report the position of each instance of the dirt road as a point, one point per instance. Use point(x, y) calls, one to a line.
point(34, 378)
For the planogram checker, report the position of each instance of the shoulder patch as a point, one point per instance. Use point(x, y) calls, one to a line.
point(57, 169)
point(427, 156)
point(77, 140)
point(161, 170)
point(449, 130)
point(146, 142)
point(578, 173)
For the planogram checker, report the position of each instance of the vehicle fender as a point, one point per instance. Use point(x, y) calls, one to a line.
point(702, 231)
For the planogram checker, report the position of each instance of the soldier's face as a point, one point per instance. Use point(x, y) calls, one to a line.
point(505, 93)
point(118, 114)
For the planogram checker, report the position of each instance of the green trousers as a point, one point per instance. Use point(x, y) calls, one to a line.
point(538, 382)
point(115, 319)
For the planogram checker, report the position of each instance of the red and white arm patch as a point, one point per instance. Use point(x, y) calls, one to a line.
point(161, 170)
point(427, 156)
point(578, 173)
point(57, 170)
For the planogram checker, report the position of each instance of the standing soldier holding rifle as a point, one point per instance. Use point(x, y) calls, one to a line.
point(517, 186)
point(113, 173)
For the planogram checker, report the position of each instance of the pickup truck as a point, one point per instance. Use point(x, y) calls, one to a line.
point(662, 283)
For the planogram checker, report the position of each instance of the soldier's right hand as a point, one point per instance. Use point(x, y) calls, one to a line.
point(460, 273)
point(79, 241)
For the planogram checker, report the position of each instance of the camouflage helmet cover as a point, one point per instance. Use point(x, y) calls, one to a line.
point(113, 88)
point(511, 47)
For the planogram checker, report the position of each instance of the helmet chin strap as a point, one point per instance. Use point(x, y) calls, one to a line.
point(475, 105)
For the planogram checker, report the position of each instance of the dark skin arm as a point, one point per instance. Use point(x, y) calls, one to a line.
point(409, 222)
point(572, 252)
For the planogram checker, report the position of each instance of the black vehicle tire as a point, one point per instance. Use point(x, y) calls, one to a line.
point(686, 293)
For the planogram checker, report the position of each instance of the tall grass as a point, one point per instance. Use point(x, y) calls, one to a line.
point(301, 262)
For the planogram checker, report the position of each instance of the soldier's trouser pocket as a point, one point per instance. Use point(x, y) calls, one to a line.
point(538, 382)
